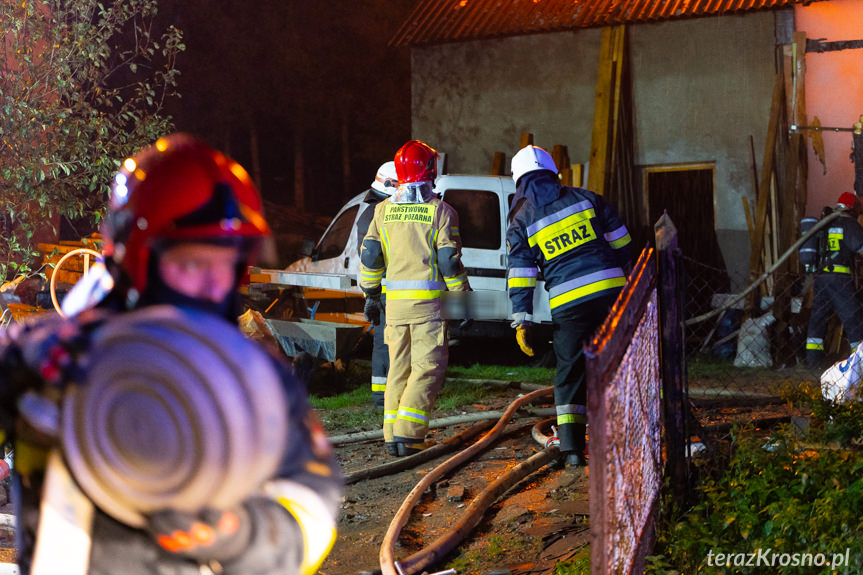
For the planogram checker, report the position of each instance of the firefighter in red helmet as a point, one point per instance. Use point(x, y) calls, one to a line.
point(184, 223)
point(177, 193)
point(834, 286)
point(413, 242)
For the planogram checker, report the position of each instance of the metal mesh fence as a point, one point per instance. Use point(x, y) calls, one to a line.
point(626, 418)
point(774, 334)
point(745, 358)
point(633, 454)
point(769, 329)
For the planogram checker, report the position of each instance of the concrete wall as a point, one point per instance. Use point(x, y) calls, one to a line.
point(701, 88)
point(473, 99)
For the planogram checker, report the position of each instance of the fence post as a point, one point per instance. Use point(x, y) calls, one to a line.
point(672, 357)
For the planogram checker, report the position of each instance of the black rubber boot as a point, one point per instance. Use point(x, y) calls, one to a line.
point(405, 449)
point(392, 448)
point(573, 460)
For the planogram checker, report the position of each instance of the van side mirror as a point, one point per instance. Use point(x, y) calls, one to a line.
point(307, 248)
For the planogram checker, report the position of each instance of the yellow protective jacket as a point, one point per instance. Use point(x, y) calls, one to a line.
point(417, 248)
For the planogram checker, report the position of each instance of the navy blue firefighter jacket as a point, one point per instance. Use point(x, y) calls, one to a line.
point(572, 235)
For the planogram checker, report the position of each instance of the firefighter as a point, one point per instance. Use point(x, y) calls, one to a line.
point(834, 288)
point(582, 248)
point(382, 187)
point(413, 242)
point(184, 223)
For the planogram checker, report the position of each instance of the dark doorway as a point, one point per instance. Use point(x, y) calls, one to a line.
point(687, 195)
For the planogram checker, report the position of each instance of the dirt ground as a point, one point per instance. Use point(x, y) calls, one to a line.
point(540, 520)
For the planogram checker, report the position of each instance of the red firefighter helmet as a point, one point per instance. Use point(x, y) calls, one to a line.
point(416, 162)
point(847, 200)
point(178, 189)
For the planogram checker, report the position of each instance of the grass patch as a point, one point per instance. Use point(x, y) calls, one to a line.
point(716, 369)
point(465, 562)
point(351, 419)
point(578, 565)
point(522, 374)
point(458, 394)
point(344, 400)
point(358, 396)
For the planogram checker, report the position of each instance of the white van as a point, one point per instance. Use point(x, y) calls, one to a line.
point(482, 203)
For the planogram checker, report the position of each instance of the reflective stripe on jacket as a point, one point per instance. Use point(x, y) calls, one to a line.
point(415, 249)
point(572, 235)
point(844, 241)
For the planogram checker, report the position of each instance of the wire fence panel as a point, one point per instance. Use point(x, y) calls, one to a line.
point(767, 330)
point(625, 411)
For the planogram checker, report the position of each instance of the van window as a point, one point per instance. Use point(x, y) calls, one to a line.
point(336, 238)
point(478, 217)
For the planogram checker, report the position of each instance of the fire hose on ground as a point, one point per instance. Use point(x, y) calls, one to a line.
point(337, 440)
point(474, 512)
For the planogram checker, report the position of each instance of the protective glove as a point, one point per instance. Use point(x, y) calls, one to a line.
point(373, 309)
point(522, 336)
point(522, 323)
point(209, 535)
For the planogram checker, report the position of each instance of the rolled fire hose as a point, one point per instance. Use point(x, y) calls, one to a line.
point(178, 410)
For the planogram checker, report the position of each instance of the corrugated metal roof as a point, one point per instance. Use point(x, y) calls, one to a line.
point(439, 21)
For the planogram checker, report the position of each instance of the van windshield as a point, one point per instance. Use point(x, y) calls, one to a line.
point(478, 217)
point(336, 238)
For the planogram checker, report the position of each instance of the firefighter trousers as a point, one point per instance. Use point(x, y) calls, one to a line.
point(834, 292)
point(418, 360)
point(380, 363)
point(573, 327)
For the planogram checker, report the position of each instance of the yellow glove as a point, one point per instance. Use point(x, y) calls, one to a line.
point(522, 336)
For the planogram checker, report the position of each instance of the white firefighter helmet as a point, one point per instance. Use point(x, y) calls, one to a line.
point(386, 180)
point(530, 159)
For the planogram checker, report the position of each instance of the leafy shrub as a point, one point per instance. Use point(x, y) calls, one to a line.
point(776, 494)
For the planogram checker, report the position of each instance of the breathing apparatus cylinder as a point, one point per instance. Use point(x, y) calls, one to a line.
point(809, 250)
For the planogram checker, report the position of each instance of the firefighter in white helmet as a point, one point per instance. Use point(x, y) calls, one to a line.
point(582, 248)
point(413, 242)
point(382, 187)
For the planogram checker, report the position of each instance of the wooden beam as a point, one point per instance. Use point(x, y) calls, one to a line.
point(766, 175)
point(557, 156)
point(800, 117)
point(526, 140)
point(747, 211)
point(601, 136)
point(577, 174)
point(617, 59)
point(498, 165)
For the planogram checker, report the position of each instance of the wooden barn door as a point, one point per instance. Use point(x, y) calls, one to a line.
point(686, 193)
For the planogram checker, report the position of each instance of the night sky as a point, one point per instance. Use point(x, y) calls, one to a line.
point(314, 73)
